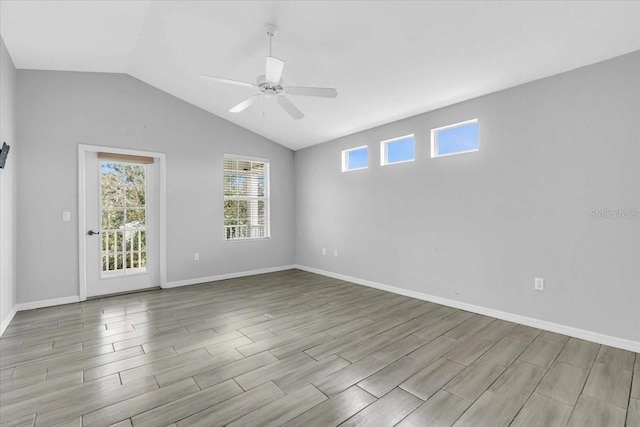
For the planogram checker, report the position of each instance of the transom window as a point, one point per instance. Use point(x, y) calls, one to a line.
point(355, 158)
point(246, 198)
point(123, 218)
point(457, 138)
point(398, 150)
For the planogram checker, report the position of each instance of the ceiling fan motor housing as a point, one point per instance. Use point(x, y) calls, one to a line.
point(269, 88)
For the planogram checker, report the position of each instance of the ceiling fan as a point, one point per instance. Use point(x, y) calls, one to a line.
point(271, 85)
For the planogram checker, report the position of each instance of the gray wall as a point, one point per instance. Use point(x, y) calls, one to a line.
point(477, 228)
point(59, 110)
point(7, 186)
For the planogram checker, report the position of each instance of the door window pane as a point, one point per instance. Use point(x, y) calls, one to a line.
point(123, 218)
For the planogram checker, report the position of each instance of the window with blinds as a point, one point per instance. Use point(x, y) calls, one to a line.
point(246, 198)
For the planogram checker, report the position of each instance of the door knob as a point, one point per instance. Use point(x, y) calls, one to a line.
point(91, 232)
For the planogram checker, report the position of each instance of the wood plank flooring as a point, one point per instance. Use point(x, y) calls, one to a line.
point(298, 349)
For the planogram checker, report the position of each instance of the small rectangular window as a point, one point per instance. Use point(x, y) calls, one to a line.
point(246, 198)
point(455, 139)
point(355, 158)
point(398, 150)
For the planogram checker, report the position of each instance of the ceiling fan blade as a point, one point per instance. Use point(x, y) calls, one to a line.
point(274, 69)
point(226, 81)
point(244, 104)
point(288, 106)
point(324, 92)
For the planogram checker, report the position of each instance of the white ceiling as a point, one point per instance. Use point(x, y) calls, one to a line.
point(388, 59)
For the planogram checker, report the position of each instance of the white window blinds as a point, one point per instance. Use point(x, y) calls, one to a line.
point(246, 198)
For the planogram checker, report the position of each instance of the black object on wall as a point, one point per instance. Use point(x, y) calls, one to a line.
point(3, 154)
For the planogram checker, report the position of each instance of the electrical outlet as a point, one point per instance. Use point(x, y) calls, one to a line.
point(538, 284)
point(324, 251)
point(196, 257)
point(335, 252)
point(66, 216)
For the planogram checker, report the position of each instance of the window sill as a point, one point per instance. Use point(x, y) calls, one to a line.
point(435, 156)
point(257, 239)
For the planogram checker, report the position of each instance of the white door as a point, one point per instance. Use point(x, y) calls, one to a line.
point(122, 244)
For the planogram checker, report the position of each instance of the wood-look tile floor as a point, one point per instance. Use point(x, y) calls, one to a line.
point(297, 349)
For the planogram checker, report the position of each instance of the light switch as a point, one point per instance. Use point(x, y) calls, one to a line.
point(66, 216)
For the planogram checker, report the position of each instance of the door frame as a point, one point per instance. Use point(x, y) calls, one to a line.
point(160, 158)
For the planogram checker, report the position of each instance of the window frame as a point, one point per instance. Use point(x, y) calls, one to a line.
point(434, 138)
point(345, 158)
point(266, 198)
point(384, 150)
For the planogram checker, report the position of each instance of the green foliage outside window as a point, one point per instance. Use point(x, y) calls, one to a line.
point(123, 201)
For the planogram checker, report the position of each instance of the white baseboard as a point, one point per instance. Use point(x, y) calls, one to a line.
point(524, 320)
point(7, 320)
point(47, 303)
point(226, 276)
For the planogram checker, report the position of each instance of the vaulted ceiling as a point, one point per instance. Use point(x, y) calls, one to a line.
point(388, 59)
